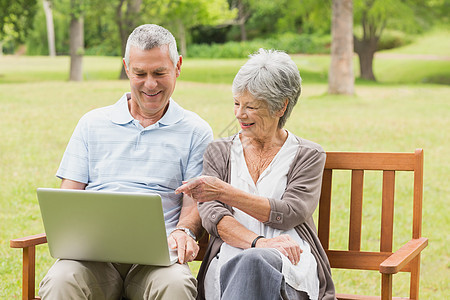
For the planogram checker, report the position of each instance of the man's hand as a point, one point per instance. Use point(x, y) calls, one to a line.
point(187, 246)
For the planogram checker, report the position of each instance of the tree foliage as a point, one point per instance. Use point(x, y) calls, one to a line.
point(16, 18)
point(183, 15)
point(216, 20)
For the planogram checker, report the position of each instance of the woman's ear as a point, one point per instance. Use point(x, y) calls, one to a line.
point(281, 112)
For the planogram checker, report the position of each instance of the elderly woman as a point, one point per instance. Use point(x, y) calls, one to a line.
point(259, 190)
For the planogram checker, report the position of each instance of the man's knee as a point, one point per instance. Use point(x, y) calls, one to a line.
point(179, 282)
point(174, 282)
point(78, 280)
point(61, 279)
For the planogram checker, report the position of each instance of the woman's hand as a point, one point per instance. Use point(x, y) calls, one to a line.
point(285, 244)
point(203, 188)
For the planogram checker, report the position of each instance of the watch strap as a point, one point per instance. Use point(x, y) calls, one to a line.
point(188, 232)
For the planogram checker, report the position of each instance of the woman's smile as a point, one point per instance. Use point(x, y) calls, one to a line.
point(246, 125)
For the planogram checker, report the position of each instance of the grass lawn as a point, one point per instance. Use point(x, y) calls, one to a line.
point(39, 110)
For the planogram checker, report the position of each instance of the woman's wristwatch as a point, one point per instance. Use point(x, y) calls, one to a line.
point(188, 232)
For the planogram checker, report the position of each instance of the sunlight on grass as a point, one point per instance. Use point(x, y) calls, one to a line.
point(436, 42)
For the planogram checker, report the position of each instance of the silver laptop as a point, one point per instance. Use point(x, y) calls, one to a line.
point(105, 226)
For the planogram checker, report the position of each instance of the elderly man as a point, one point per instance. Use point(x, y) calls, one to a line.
point(145, 142)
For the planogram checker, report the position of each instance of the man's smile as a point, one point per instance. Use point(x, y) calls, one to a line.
point(151, 95)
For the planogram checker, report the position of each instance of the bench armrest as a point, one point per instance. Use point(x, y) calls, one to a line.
point(400, 258)
point(28, 241)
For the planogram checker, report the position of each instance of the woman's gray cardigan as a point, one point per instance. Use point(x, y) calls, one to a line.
point(295, 209)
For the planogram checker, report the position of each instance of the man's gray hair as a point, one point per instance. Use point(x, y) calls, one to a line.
point(270, 76)
point(149, 36)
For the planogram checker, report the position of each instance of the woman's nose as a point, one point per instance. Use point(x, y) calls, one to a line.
point(239, 112)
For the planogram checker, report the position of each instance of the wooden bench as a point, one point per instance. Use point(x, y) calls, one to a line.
point(384, 260)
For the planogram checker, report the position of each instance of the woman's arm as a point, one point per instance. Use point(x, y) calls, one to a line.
point(301, 197)
point(209, 188)
point(235, 234)
point(295, 207)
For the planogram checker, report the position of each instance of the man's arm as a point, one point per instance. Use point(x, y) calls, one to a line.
point(71, 184)
point(190, 219)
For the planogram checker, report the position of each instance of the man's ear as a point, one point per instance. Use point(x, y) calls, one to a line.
point(178, 67)
point(125, 66)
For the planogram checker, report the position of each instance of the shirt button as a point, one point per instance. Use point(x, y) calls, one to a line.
point(213, 216)
point(278, 218)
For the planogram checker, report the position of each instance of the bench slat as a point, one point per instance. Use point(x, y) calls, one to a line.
point(387, 211)
point(325, 209)
point(360, 297)
point(354, 241)
point(370, 161)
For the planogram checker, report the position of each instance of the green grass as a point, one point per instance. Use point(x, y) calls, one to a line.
point(436, 42)
point(39, 110)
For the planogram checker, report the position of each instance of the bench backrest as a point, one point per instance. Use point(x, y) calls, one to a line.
point(389, 164)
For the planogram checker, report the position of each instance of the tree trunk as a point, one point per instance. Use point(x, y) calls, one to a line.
point(242, 20)
point(182, 38)
point(366, 49)
point(127, 22)
point(76, 43)
point(341, 79)
point(50, 28)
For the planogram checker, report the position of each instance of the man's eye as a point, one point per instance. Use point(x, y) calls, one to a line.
point(140, 74)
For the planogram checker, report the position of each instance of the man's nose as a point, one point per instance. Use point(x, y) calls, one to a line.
point(150, 82)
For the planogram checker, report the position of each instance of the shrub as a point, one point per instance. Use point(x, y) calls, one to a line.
point(289, 42)
point(393, 39)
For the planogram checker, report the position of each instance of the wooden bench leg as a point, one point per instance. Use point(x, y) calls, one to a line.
point(386, 286)
point(414, 282)
point(28, 277)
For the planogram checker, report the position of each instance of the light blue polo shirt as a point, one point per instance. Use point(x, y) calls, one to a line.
point(110, 150)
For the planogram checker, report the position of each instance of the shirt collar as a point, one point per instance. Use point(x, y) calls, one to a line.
point(121, 114)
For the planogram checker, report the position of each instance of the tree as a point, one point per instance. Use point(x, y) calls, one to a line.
point(340, 77)
point(50, 27)
point(76, 40)
point(182, 15)
point(375, 16)
point(16, 17)
point(127, 18)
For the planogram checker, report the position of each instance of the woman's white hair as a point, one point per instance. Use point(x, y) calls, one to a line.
point(270, 76)
point(149, 36)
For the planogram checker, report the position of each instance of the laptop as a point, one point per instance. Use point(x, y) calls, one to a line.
point(105, 226)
